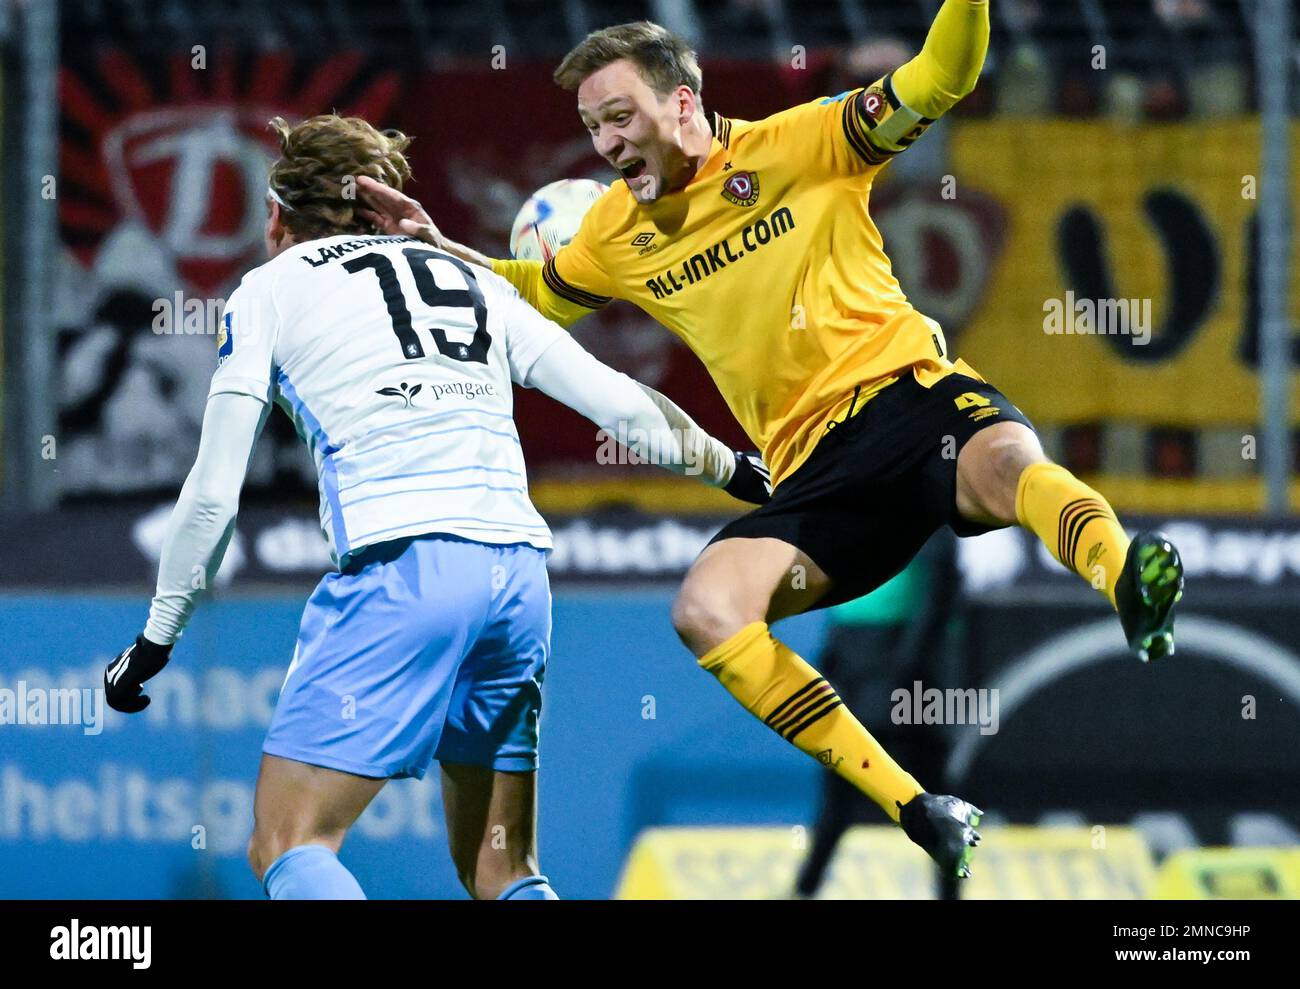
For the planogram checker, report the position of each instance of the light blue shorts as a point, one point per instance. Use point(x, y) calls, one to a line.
point(426, 648)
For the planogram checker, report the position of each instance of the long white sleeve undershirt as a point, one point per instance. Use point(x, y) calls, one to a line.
point(204, 517)
point(648, 423)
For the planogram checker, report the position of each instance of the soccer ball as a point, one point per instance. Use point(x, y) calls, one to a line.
point(551, 217)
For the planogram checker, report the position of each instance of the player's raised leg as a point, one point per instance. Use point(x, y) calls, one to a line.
point(1003, 478)
point(722, 612)
point(492, 831)
point(302, 814)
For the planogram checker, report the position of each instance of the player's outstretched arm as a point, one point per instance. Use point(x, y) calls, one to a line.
point(544, 357)
point(197, 535)
point(394, 212)
point(646, 422)
point(949, 63)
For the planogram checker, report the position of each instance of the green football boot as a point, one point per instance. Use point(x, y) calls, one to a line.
point(1149, 587)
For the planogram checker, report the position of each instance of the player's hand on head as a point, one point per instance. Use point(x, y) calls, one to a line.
point(751, 481)
point(394, 212)
point(131, 667)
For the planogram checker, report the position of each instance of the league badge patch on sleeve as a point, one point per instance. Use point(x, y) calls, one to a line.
point(225, 339)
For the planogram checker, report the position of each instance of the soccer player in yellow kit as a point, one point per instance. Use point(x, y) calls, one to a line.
point(752, 241)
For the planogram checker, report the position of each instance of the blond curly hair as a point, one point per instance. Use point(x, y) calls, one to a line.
point(320, 159)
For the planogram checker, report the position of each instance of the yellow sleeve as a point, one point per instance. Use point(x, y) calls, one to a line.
point(949, 63)
point(887, 117)
point(859, 130)
point(565, 288)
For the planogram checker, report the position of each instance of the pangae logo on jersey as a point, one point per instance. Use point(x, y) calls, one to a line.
point(468, 390)
point(741, 189)
point(403, 391)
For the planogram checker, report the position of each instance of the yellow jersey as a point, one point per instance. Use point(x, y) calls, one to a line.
point(768, 266)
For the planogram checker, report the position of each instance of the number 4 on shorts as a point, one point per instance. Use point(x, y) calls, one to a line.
point(970, 400)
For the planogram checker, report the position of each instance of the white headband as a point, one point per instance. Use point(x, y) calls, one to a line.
point(275, 196)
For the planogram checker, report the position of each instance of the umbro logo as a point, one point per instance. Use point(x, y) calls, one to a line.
point(1095, 553)
point(643, 241)
point(829, 759)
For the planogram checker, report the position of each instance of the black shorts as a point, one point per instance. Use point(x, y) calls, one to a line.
point(880, 483)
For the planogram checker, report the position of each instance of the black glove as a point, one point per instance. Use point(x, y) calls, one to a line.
point(751, 481)
point(132, 667)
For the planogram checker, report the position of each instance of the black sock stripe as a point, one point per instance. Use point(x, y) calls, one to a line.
point(1067, 515)
point(1071, 530)
point(1060, 527)
point(813, 719)
point(1085, 513)
point(776, 713)
point(1082, 521)
point(802, 708)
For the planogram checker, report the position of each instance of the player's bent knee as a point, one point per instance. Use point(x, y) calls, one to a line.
point(1020, 449)
point(999, 494)
point(990, 476)
point(705, 619)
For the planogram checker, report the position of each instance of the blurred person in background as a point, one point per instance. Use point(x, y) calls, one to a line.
point(1192, 64)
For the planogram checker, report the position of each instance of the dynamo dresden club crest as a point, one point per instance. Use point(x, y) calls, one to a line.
point(741, 188)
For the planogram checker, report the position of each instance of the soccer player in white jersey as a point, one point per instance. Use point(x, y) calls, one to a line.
point(429, 643)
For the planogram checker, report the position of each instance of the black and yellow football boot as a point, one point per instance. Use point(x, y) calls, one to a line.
point(945, 828)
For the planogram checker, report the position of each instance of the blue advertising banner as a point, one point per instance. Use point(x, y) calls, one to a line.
point(1197, 751)
point(159, 805)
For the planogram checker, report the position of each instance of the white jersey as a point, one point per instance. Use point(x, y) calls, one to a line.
point(396, 362)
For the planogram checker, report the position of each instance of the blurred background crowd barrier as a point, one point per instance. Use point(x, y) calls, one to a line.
point(1114, 150)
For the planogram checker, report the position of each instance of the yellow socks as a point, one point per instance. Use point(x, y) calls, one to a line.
point(795, 701)
point(1074, 522)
